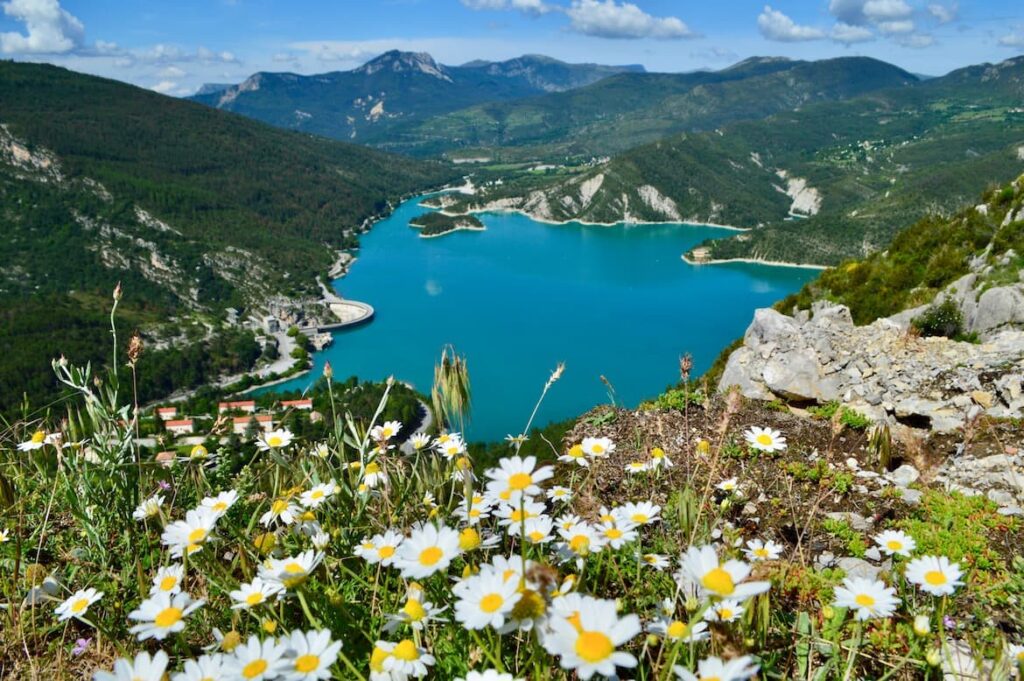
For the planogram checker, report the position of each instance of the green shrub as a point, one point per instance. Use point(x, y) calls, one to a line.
point(944, 319)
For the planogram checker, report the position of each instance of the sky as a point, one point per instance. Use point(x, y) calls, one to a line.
point(174, 46)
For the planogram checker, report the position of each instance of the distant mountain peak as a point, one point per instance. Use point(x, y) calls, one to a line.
point(407, 62)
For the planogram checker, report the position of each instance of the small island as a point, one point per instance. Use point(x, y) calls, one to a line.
point(438, 224)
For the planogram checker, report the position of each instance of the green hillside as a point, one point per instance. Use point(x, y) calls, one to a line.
point(627, 110)
point(868, 166)
point(192, 209)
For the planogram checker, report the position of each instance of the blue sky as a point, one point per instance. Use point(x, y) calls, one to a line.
point(174, 46)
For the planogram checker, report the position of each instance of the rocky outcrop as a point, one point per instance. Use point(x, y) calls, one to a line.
point(880, 369)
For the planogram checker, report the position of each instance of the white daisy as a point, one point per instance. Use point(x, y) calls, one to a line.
point(576, 455)
point(254, 593)
point(386, 431)
point(642, 513)
point(762, 550)
point(538, 530)
point(618, 534)
point(78, 604)
point(37, 441)
point(318, 494)
point(729, 486)
point(589, 643)
point(168, 579)
point(290, 572)
point(221, 503)
point(765, 439)
point(895, 543)
point(381, 548)
point(419, 441)
point(512, 517)
point(580, 539)
point(659, 458)
point(417, 612)
point(656, 560)
point(868, 597)
point(142, 668)
point(428, 549)
point(487, 675)
point(679, 630)
point(485, 600)
point(150, 508)
point(206, 668)
point(935, 575)
point(728, 610)
point(559, 493)
point(311, 655)
point(716, 669)
point(637, 467)
point(258, 661)
point(405, 659)
point(162, 614)
point(188, 536)
point(597, 447)
point(514, 477)
point(275, 439)
point(281, 511)
point(722, 580)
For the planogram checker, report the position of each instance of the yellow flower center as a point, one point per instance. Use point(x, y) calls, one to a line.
point(167, 617)
point(677, 629)
point(594, 646)
point(894, 545)
point(935, 578)
point(254, 598)
point(579, 543)
point(79, 605)
point(168, 583)
point(640, 518)
point(199, 452)
point(377, 658)
point(710, 678)
point(613, 533)
point(386, 432)
point(386, 552)
point(657, 453)
point(491, 603)
point(761, 553)
point(469, 539)
point(430, 556)
point(598, 448)
point(275, 440)
point(317, 494)
point(519, 481)
point(38, 437)
point(864, 601)
point(278, 507)
point(306, 663)
point(719, 581)
point(508, 574)
point(294, 568)
point(414, 610)
point(576, 452)
point(220, 506)
point(725, 613)
point(406, 651)
point(254, 669)
point(536, 536)
point(764, 439)
point(196, 536)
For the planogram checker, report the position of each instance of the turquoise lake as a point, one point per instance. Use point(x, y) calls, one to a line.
point(522, 296)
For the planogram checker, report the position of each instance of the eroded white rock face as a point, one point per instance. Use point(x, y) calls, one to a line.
point(878, 369)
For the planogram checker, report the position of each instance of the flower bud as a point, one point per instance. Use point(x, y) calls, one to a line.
point(934, 657)
point(922, 625)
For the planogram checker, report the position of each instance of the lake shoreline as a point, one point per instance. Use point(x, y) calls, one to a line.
point(585, 223)
point(752, 261)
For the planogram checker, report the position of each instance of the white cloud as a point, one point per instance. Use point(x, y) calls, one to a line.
point(49, 29)
point(165, 87)
point(893, 27)
point(172, 72)
point(887, 10)
point(774, 25)
point(527, 6)
point(944, 14)
point(1012, 40)
point(860, 12)
point(917, 41)
point(848, 34)
point(611, 19)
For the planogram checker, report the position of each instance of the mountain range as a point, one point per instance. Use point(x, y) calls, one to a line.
point(394, 90)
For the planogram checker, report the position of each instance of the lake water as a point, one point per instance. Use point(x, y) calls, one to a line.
point(522, 296)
